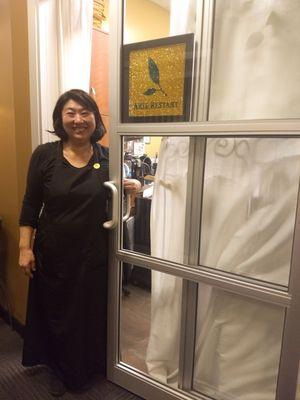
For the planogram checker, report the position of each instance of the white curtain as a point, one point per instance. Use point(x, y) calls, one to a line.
point(256, 59)
point(65, 42)
point(75, 22)
point(182, 17)
point(167, 242)
point(167, 233)
point(249, 207)
point(48, 65)
point(238, 341)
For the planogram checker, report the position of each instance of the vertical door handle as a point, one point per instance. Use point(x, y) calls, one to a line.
point(128, 208)
point(111, 224)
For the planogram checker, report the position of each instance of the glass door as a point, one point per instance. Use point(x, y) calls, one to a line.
point(204, 271)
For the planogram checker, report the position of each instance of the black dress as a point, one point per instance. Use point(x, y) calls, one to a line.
point(66, 313)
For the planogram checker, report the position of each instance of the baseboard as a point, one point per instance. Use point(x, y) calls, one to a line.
point(14, 323)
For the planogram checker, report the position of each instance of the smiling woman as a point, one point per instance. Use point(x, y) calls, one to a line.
point(66, 202)
point(78, 120)
point(68, 262)
point(63, 212)
point(79, 124)
point(75, 108)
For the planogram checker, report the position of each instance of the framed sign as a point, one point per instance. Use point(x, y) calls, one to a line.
point(156, 79)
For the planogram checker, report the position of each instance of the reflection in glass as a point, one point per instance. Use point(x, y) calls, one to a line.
point(249, 202)
point(140, 159)
point(149, 339)
point(135, 316)
point(238, 345)
point(248, 214)
point(249, 206)
point(164, 211)
point(158, 70)
point(149, 20)
point(158, 211)
point(256, 60)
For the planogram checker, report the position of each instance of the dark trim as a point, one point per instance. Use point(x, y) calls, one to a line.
point(16, 325)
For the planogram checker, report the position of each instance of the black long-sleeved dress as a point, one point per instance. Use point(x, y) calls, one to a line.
point(66, 313)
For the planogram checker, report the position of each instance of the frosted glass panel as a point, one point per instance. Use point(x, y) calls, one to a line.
point(256, 60)
point(249, 206)
point(238, 346)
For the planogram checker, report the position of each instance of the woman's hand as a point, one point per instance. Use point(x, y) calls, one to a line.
point(27, 261)
point(131, 185)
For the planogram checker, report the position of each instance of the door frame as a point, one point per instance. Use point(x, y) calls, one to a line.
point(118, 373)
point(34, 72)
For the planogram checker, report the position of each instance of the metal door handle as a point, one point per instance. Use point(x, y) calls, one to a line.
point(111, 224)
point(128, 208)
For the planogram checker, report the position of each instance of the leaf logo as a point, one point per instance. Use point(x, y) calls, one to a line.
point(154, 76)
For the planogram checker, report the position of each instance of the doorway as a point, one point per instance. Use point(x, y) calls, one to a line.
point(204, 283)
point(202, 259)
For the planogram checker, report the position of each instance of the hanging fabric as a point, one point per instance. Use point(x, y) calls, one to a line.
point(74, 23)
point(232, 327)
point(167, 232)
point(182, 17)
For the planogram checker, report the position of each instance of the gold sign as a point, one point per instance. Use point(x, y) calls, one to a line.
point(158, 80)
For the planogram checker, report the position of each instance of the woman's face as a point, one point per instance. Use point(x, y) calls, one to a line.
point(78, 122)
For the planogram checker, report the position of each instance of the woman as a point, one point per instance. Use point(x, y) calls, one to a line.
point(65, 202)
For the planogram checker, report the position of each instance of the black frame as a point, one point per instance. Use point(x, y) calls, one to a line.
point(188, 39)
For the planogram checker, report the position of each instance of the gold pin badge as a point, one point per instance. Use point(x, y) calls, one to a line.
point(96, 165)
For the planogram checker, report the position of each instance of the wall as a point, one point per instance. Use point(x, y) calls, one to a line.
point(145, 20)
point(152, 148)
point(15, 140)
point(100, 77)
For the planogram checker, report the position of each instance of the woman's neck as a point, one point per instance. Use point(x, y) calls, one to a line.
point(77, 147)
point(78, 154)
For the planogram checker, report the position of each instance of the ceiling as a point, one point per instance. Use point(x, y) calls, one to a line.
point(162, 3)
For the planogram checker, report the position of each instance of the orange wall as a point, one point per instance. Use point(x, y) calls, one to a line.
point(99, 77)
point(15, 142)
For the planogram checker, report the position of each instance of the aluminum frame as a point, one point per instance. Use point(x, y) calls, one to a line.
point(264, 128)
point(238, 285)
point(115, 39)
point(120, 374)
point(290, 355)
point(191, 251)
point(205, 59)
point(123, 376)
point(197, 60)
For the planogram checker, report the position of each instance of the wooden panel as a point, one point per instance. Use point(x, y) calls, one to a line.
point(99, 70)
point(105, 140)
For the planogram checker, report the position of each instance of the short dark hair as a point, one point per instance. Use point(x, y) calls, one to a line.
point(85, 100)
